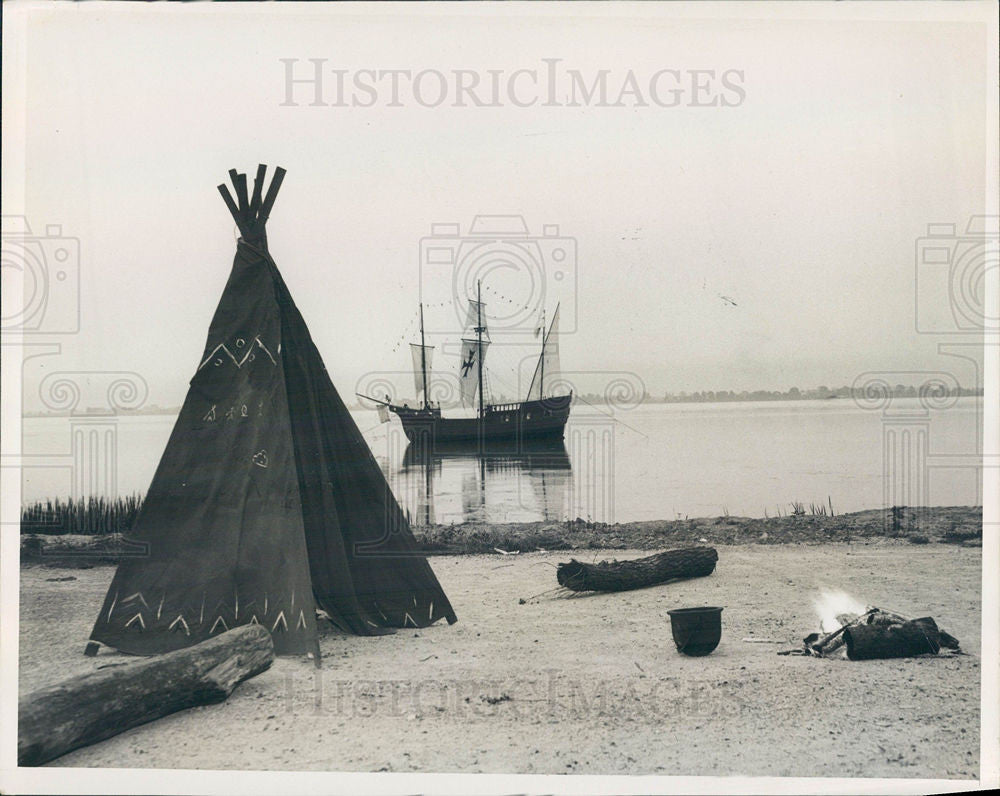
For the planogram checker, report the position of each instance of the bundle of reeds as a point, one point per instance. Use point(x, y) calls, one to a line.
point(92, 515)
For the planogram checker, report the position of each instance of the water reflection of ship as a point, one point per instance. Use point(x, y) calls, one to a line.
point(494, 481)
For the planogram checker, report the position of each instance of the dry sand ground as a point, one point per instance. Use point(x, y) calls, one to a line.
point(589, 684)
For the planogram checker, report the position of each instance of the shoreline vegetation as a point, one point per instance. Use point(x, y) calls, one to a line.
point(821, 393)
point(46, 543)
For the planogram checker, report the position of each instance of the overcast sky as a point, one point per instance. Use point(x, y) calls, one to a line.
point(762, 242)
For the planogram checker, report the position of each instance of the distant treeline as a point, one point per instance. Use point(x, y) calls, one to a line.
point(795, 394)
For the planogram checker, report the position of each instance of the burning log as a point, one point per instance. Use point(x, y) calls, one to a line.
point(916, 637)
point(91, 707)
point(689, 562)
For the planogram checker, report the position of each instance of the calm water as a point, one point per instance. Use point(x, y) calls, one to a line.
point(653, 462)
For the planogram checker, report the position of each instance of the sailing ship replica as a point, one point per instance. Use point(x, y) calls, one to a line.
point(538, 417)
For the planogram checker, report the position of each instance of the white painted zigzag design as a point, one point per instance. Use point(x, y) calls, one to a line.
point(222, 348)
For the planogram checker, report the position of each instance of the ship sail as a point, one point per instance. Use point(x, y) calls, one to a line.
point(548, 361)
point(422, 357)
point(473, 355)
point(476, 318)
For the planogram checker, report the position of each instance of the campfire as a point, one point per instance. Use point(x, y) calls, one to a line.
point(850, 629)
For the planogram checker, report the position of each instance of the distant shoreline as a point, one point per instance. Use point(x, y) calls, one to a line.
point(708, 397)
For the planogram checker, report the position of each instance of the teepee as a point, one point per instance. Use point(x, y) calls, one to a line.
point(267, 503)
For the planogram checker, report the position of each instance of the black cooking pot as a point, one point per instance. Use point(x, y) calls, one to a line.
point(696, 631)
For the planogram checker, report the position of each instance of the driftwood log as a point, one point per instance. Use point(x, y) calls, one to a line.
point(91, 707)
point(688, 562)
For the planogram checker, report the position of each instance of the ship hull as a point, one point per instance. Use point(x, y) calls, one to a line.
point(530, 420)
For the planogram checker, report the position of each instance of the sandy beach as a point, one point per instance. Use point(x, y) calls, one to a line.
point(587, 684)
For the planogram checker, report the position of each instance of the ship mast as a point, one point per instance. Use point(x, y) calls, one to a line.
point(541, 376)
point(423, 354)
point(538, 379)
point(479, 339)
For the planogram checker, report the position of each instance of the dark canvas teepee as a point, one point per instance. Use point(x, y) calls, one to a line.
point(267, 502)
